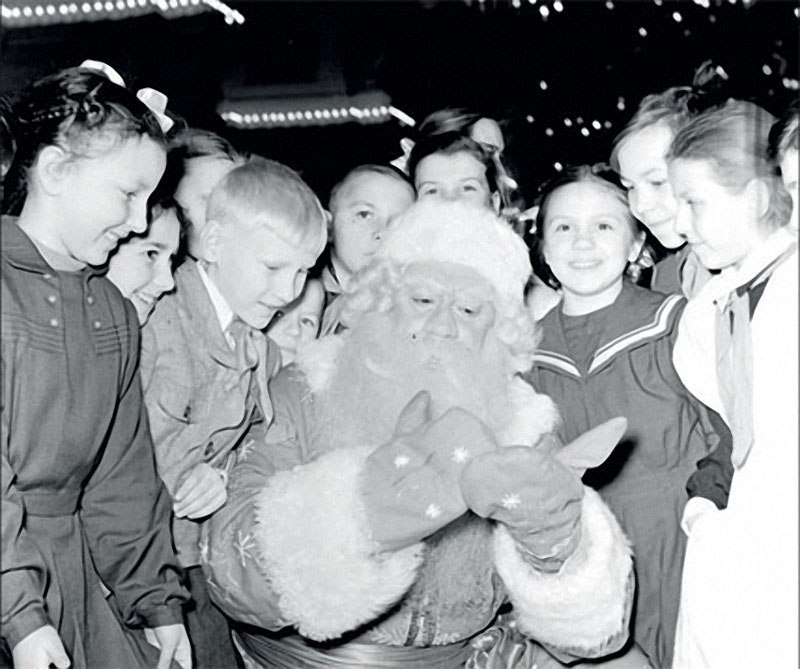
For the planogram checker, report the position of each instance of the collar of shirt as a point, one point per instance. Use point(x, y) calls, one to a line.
point(334, 278)
point(756, 267)
point(26, 253)
point(224, 312)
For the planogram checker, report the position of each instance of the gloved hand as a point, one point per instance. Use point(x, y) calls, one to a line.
point(410, 485)
point(535, 496)
point(538, 495)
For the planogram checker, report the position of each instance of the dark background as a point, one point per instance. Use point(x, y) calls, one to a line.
point(488, 56)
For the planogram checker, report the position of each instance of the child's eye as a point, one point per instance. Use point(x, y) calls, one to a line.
point(562, 227)
point(470, 310)
point(658, 183)
point(605, 225)
point(364, 215)
point(423, 301)
point(309, 323)
point(470, 188)
point(152, 254)
point(429, 190)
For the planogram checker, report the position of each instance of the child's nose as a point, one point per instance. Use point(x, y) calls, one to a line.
point(682, 221)
point(137, 221)
point(164, 280)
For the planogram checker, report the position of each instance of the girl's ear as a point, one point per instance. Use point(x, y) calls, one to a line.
point(758, 194)
point(51, 169)
point(637, 246)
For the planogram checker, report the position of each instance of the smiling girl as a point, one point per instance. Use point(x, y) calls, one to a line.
point(606, 351)
point(639, 156)
point(142, 265)
point(81, 497)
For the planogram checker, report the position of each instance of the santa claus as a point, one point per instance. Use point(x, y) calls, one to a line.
point(408, 504)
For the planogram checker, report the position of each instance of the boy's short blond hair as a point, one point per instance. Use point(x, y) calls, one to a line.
point(265, 192)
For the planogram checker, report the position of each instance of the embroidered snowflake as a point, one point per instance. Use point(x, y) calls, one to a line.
point(203, 546)
point(401, 461)
point(460, 455)
point(510, 501)
point(243, 546)
point(245, 450)
point(433, 511)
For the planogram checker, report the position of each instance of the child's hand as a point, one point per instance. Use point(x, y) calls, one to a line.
point(39, 650)
point(173, 642)
point(201, 493)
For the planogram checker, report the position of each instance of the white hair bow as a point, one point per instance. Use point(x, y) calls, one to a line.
point(154, 100)
point(401, 163)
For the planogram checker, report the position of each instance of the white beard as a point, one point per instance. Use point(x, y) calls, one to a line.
point(377, 372)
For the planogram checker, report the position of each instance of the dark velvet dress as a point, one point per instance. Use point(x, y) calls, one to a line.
point(81, 498)
point(617, 361)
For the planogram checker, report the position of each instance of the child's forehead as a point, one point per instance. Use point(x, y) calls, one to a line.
point(585, 198)
point(276, 237)
point(367, 184)
point(135, 160)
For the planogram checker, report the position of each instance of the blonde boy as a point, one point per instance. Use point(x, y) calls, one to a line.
point(206, 363)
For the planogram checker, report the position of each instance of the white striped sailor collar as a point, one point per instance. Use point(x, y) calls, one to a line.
point(621, 334)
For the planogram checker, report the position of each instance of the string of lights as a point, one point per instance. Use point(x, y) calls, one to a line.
point(23, 13)
point(365, 108)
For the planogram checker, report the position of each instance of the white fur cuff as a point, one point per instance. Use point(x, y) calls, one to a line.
point(312, 531)
point(585, 604)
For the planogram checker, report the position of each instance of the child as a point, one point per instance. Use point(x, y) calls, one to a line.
point(784, 142)
point(205, 363)
point(298, 323)
point(142, 265)
point(454, 166)
point(81, 497)
point(639, 156)
point(205, 159)
point(362, 205)
point(606, 351)
point(737, 350)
